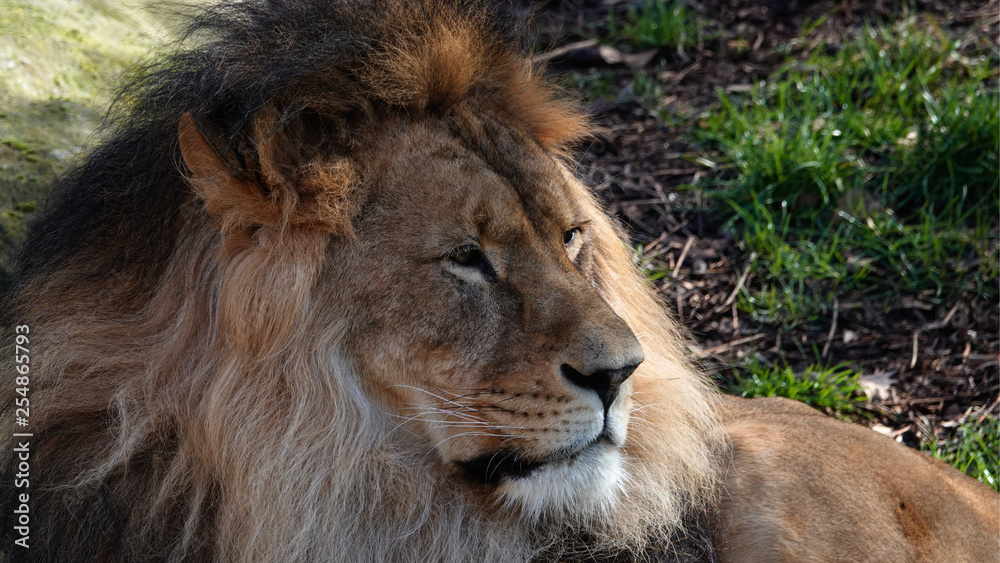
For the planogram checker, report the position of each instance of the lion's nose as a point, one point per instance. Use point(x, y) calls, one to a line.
point(604, 381)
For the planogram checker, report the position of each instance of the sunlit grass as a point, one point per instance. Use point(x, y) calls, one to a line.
point(975, 449)
point(834, 388)
point(654, 24)
point(873, 170)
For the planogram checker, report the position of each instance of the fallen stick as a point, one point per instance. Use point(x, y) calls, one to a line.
point(702, 354)
point(684, 253)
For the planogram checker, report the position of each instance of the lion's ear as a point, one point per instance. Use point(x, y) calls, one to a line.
point(233, 204)
point(289, 177)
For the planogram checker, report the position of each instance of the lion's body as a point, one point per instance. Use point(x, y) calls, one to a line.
point(806, 487)
point(330, 293)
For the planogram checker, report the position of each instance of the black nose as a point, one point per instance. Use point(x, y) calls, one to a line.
point(604, 381)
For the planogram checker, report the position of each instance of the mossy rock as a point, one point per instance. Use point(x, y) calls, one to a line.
point(60, 62)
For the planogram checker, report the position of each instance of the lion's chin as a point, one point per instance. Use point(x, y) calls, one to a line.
point(587, 484)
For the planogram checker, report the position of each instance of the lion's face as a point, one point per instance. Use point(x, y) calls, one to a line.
point(482, 327)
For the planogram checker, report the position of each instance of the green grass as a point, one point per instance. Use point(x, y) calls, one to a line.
point(651, 95)
point(835, 389)
point(873, 170)
point(654, 24)
point(643, 89)
point(646, 26)
point(975, 449)
point(592, 85)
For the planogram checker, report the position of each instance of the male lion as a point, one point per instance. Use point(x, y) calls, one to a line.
point(329, 293)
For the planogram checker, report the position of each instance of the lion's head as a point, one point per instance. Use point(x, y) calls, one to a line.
point(359, 309)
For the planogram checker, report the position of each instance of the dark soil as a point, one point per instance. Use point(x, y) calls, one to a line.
point(935, 361)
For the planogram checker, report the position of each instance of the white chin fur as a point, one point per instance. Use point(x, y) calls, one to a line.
point(585, 486)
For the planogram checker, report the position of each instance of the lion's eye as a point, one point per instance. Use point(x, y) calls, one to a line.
point(570, 236)
point(573, 242)
point(472, 257)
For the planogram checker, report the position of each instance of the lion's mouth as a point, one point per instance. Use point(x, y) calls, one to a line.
point(491, 468)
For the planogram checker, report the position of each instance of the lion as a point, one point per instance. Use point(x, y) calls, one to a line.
point(329, 291)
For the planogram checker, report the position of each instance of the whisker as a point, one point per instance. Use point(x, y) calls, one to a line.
point(442, 399)
point(463, 415)
point(472, 392)
point(461, 434)
point(425, 414)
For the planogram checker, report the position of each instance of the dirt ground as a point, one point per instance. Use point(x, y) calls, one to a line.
point(934, 362)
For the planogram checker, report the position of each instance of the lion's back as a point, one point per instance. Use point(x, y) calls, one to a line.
point(803, 486)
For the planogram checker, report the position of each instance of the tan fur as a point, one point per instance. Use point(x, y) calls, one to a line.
point(805, 487)
point(306, 378)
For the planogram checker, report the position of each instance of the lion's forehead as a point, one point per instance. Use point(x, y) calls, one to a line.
point(502, 196)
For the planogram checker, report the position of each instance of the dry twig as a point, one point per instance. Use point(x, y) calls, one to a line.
point(680, 260)
point(739, 285)
point(565, 49)
point(833, 330)
point(728, 346)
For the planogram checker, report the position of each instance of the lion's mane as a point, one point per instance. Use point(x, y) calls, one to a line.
point(192, 401)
